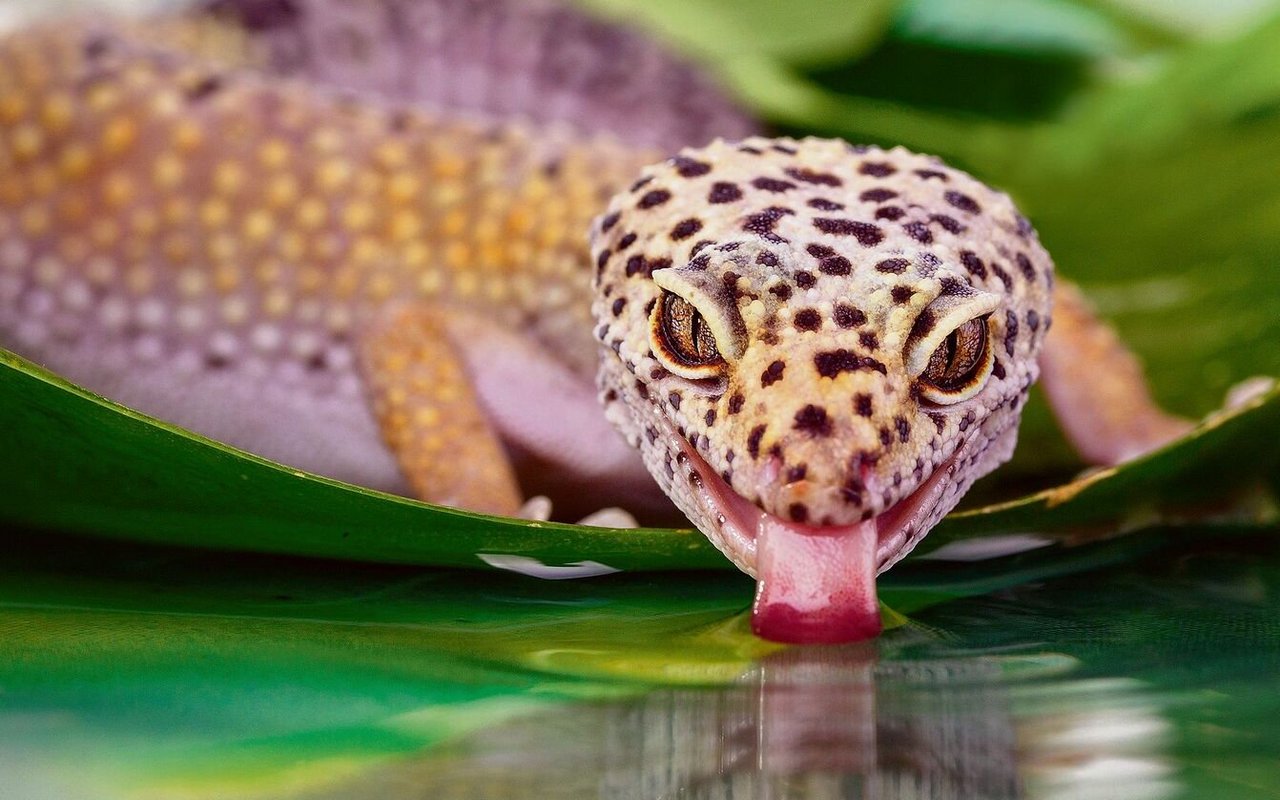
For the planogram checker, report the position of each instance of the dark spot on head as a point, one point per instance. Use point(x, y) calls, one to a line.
point(709, 418)
point(823, 204)
point(868, 340)
point(724, 192)
point(797, 473)
point(962, 201)
point(890, 213)
point(690, 168)
point(877, 169)
point(953, 287)
point(783, 148)
point(762, 223)
point(635, 265)
point(799, 512)
point(1024, 264)
point(862, 404)
point(755, 151)
point(805, 279)
point(918, 231)
point(1011, 331)
point(1033, 320)
point(811, 176)
point(736, 402)
point(640, 184)
point(949, 224)
point(627, 240)
point(868, 235)
point(997, 369)
point(772, 184)
point(973, 264)
point(686, 228)
point(653, 198)
point(835, 265)
point(618, 305)
point(674, 398)
point(847, 316)
point(886, 438)
point(893, 266)
point(819, 250)
point(833, 362)
point(773, 373)
point(782, 291)
point(901, 294)
point(813, 420)
point(877, 195)
point(807, 319)
point(927, 174)
point(609, 221)
point(939, 421)
point(753, 441)
point(603, 258)
point(1003, 276)
point(766, 258)
point(924, 323)
point(904, 429)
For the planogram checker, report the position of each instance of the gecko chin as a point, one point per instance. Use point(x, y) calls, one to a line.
point(815, 584)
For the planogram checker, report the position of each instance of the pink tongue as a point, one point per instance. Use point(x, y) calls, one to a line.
point(815, 586)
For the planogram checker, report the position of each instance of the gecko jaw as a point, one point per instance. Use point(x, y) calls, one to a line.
point(816, 584)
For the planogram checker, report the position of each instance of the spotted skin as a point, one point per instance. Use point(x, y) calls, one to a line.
point(405, 298)
point(822, 267)
point(167, 219)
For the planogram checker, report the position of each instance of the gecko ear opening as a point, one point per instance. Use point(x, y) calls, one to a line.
point(949, 352)
point(695, 330)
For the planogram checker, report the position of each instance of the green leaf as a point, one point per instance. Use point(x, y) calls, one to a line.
point(812, 32)
point(1040, 27)
point(79, 463)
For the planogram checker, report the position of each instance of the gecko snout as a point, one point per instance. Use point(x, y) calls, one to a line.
point(839, 491)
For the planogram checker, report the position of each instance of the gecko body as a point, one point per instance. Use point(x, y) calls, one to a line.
point(814, 348)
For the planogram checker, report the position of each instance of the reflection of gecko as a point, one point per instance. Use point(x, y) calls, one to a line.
point(816, 348)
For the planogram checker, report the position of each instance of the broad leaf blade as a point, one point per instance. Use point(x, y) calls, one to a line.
point(79, 463)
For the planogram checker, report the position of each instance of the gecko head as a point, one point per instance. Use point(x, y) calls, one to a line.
point(817, 350)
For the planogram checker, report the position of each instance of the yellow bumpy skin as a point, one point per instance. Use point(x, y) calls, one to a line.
point(213, 246)
point(817, 348)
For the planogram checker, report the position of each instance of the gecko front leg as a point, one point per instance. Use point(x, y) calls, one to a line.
point(463, 402)
point(1096, 386)
point(430, 415)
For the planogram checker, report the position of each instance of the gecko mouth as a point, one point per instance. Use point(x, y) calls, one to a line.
point(816, 584)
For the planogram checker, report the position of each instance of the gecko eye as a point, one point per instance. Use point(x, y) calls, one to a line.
point(683, 340)
point(959, 365)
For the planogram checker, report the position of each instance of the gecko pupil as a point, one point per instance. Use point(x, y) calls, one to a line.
point(959, 358)
point(686, 334)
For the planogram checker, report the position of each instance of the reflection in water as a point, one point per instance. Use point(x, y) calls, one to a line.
point(135, 671)
point(830, 723)
point(818, 723)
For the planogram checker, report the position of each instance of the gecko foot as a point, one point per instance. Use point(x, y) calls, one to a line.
point(1248, 390)
point(538, 509)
